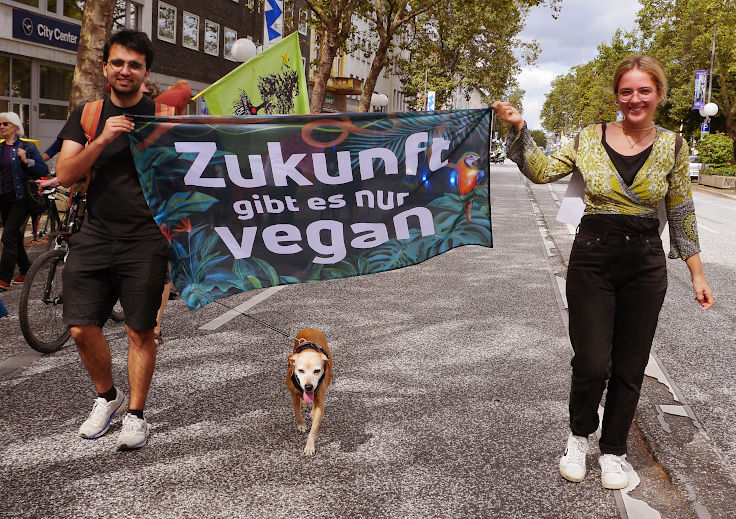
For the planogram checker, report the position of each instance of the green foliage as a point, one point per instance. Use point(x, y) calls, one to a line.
point(728, 171)
point(716, 149)
point(584, 95)
point(539, 138)
point(677, 32)
point(680, 34)
point(469, 44)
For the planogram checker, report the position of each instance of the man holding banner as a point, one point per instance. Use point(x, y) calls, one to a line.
point(120, 252)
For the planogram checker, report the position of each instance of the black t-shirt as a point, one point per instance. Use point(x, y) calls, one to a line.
point(626, 165)
point(116, 207)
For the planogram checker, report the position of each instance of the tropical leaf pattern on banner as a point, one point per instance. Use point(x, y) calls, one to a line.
point(271, 242)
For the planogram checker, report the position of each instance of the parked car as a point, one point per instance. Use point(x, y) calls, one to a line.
point(695, 167)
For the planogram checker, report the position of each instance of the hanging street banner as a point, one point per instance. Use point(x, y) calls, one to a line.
point(272, 82)
point(701, 84)
point(254, 202)
point(273, 21)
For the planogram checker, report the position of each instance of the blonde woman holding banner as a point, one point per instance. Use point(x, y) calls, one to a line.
point(617, 277)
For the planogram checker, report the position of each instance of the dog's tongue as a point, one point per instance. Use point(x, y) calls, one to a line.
point(309, 396)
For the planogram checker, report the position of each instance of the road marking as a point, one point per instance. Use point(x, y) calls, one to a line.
point(241, 308)
point(562, 287)
point(18, 361)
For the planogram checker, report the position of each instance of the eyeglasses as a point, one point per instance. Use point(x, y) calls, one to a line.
point(625, 95)
point(4, 124)
point(118, 65)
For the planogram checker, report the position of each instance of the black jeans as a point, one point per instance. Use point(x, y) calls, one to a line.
point(14, 213)
point(616, 285)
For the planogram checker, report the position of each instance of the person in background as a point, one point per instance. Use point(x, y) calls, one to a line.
point(53, 149)
point(617, 277)
point(20, 160)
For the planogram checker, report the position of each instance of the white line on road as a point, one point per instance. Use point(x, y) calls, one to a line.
point(241, 308)
point(18, 361)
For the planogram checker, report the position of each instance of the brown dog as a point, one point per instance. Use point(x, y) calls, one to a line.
point(309, 375)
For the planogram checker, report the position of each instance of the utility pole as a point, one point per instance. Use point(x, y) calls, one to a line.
point(425, 90)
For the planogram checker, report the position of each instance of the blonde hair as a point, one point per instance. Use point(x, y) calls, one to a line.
point(646, 64)
point(13, 118)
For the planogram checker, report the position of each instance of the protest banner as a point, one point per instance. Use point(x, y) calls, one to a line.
point(272, 82)
point(253, 202)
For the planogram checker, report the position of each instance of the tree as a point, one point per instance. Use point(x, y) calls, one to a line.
point(334, 22)
point(89, 83)
point(584, 95)
point(468, 44)
point(539, 138)
point(679, 33)
point(388, 17)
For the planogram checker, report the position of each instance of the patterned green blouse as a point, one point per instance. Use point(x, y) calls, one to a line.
point(662, 177)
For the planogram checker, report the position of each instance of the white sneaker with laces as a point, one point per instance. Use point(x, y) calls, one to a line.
point(102, 415)
point(572, 463)
point(134, 434)
point(613, 475)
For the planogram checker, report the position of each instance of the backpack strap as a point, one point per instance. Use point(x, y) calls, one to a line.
point(678, 144)
point(91, 118)
point(577, 141)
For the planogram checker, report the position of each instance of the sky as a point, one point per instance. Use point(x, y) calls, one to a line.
point(568, 41)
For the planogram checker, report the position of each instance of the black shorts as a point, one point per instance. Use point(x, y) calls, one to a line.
point(100, 271)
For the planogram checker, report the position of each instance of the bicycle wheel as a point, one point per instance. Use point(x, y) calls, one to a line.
point(41, 303)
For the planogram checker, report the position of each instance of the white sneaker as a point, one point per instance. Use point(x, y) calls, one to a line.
point(134, 434)
point(102, 415)
point(572, 463)
point(613, 475)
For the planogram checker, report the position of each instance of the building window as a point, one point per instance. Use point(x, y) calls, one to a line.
point(228, 39)
point(303, 21)
point(126, 15)
point(15, 88)
point(166, 22)
point(190, 31)
point(211, 38)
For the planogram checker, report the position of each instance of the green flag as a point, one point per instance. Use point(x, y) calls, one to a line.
point(271, 82)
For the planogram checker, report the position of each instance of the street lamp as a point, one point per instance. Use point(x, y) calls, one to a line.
point(710, 109)
point(243, 49)
point(379, 100)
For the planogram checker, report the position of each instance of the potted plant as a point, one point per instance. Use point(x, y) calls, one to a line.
point(716, 150)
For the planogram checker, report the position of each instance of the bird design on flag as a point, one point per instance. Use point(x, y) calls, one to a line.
point(469, 176)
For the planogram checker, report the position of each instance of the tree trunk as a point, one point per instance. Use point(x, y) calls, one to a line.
point(89, 83)
point(379, 62)
point(329, 51)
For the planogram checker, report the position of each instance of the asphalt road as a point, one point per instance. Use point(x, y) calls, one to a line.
point(449, 399)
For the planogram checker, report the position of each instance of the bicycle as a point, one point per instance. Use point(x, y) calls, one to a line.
point(41, 301)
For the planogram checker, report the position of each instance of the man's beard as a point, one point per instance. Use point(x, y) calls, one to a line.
point(128, 92)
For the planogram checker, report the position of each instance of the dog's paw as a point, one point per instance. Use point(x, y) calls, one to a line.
point(309, 449)
point(301, 427)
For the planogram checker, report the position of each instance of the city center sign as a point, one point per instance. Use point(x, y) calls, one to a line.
point(47, 31)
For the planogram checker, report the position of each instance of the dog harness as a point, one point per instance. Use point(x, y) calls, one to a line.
point(301, 348)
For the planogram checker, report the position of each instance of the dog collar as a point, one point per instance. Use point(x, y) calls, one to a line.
point(311, 346)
